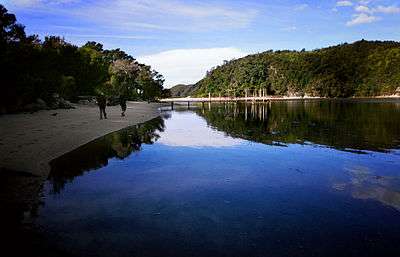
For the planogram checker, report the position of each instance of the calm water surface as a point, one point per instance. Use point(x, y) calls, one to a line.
point(317, 178)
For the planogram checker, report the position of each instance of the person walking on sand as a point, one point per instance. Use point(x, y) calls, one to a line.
point(122, 102)
point(102, 102)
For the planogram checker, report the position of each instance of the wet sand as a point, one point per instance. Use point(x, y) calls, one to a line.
point(28, 142)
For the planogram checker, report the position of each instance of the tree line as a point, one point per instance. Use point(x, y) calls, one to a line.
point(32, 69)
point(363, 68)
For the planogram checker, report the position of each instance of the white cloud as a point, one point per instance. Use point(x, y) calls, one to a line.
point(187, 66)
point(37, 3)
point(344, 3)
point(365, 2)
point(379, 9)
point(301, 7)
point(362, 18)
point(26, 3)
point(152, 14)
point(290, 28)
point(363, 8)
point(365, 13)
point(94, 36)
point(387, 9)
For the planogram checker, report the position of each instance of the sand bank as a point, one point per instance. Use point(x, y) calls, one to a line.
point(28, 142)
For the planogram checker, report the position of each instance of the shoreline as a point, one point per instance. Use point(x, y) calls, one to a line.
point(28, 142)
point(267, 98)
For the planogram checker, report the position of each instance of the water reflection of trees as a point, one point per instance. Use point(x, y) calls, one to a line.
point(96, 154)
point(342, 125)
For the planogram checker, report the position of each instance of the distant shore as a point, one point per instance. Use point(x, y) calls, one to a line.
point(260, 99)
point(28, 142)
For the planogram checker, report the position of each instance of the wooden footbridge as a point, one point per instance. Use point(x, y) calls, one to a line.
point(189, 100)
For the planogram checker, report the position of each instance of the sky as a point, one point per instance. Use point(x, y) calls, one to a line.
point(184, 39)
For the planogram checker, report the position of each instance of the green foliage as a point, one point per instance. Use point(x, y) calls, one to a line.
point(123, 76)
point(182, 90)
point(32, 69)
point(150, 83)
point(364, 68)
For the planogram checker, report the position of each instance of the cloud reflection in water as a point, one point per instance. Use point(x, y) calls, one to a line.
point(364, 185)
point(188, 130)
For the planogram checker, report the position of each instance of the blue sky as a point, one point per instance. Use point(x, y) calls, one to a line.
point(183, 39)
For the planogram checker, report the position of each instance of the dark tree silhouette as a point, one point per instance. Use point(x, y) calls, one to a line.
point(32, 69)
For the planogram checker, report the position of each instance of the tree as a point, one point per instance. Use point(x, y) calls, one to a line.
point(123, 77)
point(32, 69)
point(150, 83)
point(10, 30)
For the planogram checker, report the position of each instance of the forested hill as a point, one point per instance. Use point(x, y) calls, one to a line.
point(182, 90)
point(363, 68)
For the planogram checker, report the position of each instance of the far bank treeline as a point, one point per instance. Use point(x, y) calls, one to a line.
point(363, 68)
point(32, 69)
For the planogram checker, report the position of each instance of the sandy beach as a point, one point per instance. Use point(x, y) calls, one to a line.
point(28, 142)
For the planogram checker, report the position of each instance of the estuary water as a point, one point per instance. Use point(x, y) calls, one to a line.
point(299, 178)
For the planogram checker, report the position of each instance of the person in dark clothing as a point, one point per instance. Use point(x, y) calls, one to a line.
point(102, 102)
point(122, 102)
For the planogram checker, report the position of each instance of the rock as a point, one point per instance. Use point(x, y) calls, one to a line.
point(84, 102)
point(64, 104)
point(30, 107)
point(58, 102)
point(292, 93)
point(41, 104)
point(397, 92)
point(54, 104)
point(36, 106)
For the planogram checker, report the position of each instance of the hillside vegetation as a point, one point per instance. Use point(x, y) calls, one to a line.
point(182, 90)
point(33, 70)
point(363, 68)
